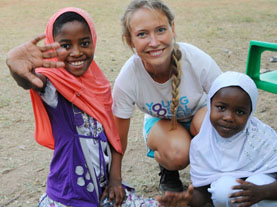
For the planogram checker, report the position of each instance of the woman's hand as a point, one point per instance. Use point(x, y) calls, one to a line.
point(248, 195)
point(23, 59)
point(176, 199)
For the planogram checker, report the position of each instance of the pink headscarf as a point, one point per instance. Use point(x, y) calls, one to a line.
point(91, 92)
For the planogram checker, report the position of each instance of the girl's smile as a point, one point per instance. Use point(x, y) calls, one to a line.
point(75, 37)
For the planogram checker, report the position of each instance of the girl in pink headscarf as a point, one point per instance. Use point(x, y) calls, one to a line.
point(72, 108)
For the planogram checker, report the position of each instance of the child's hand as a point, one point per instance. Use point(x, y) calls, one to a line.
point(176, 199)
point(248, 195)
point(23, 59)
point(115, 192)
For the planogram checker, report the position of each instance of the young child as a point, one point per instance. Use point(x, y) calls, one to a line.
point(234, 157)
point(73, 116)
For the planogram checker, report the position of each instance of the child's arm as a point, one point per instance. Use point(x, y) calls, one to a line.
point(250, 193)
point(115, 189)
point(23, 59)
point(195, 197)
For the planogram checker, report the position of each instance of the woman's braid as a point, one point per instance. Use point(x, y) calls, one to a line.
point(176, 79)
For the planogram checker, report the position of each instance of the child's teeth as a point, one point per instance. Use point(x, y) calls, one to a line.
point(77, 63)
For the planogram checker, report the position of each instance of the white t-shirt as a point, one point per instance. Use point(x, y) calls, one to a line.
point(135, 86)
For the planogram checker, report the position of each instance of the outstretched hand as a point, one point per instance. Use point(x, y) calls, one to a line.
point(176, 199)
point(23, 59)
point(248, 195)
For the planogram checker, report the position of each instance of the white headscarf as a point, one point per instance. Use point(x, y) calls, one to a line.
point(252, 150)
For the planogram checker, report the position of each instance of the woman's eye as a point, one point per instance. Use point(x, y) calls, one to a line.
point(141, 34)
point(161, 29)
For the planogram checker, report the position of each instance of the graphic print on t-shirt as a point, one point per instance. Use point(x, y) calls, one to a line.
point(162, 108)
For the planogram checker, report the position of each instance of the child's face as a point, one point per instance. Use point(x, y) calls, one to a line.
point(75, 37)
point(152, 37)
point(230, 109)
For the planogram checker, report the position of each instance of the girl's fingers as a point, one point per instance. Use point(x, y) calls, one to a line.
point(243, 194)
point(175, 199)
point(48, 47)
point(52, 64)
point(49, 54)
point(34, 80)
point(240, 187)
point(38, 38)
point(243, 184)
point(60, 64)
point(120, 197)
point(190, 190)
point(50, 50)
point(111, 195)
point(117, 200)
point(104, 194)
point(60, 52)
point(237, 194)
point(243, 200)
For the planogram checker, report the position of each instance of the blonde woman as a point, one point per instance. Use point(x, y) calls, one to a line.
point(168, 81)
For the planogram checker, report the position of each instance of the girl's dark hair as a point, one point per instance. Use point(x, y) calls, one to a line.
point(67, 17)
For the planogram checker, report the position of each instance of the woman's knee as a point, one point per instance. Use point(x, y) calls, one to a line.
point(174, 159)
point(220, 190)
point(174, 154)
point(172, 145)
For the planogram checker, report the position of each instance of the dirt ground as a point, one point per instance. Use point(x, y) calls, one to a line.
point(222, 28)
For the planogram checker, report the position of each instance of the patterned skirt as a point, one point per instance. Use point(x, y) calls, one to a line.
point(132, 200)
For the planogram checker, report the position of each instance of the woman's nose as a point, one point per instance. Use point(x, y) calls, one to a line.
point(153, 41)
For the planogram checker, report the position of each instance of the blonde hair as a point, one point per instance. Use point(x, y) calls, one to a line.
point(176, 54)
point(176, 80)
